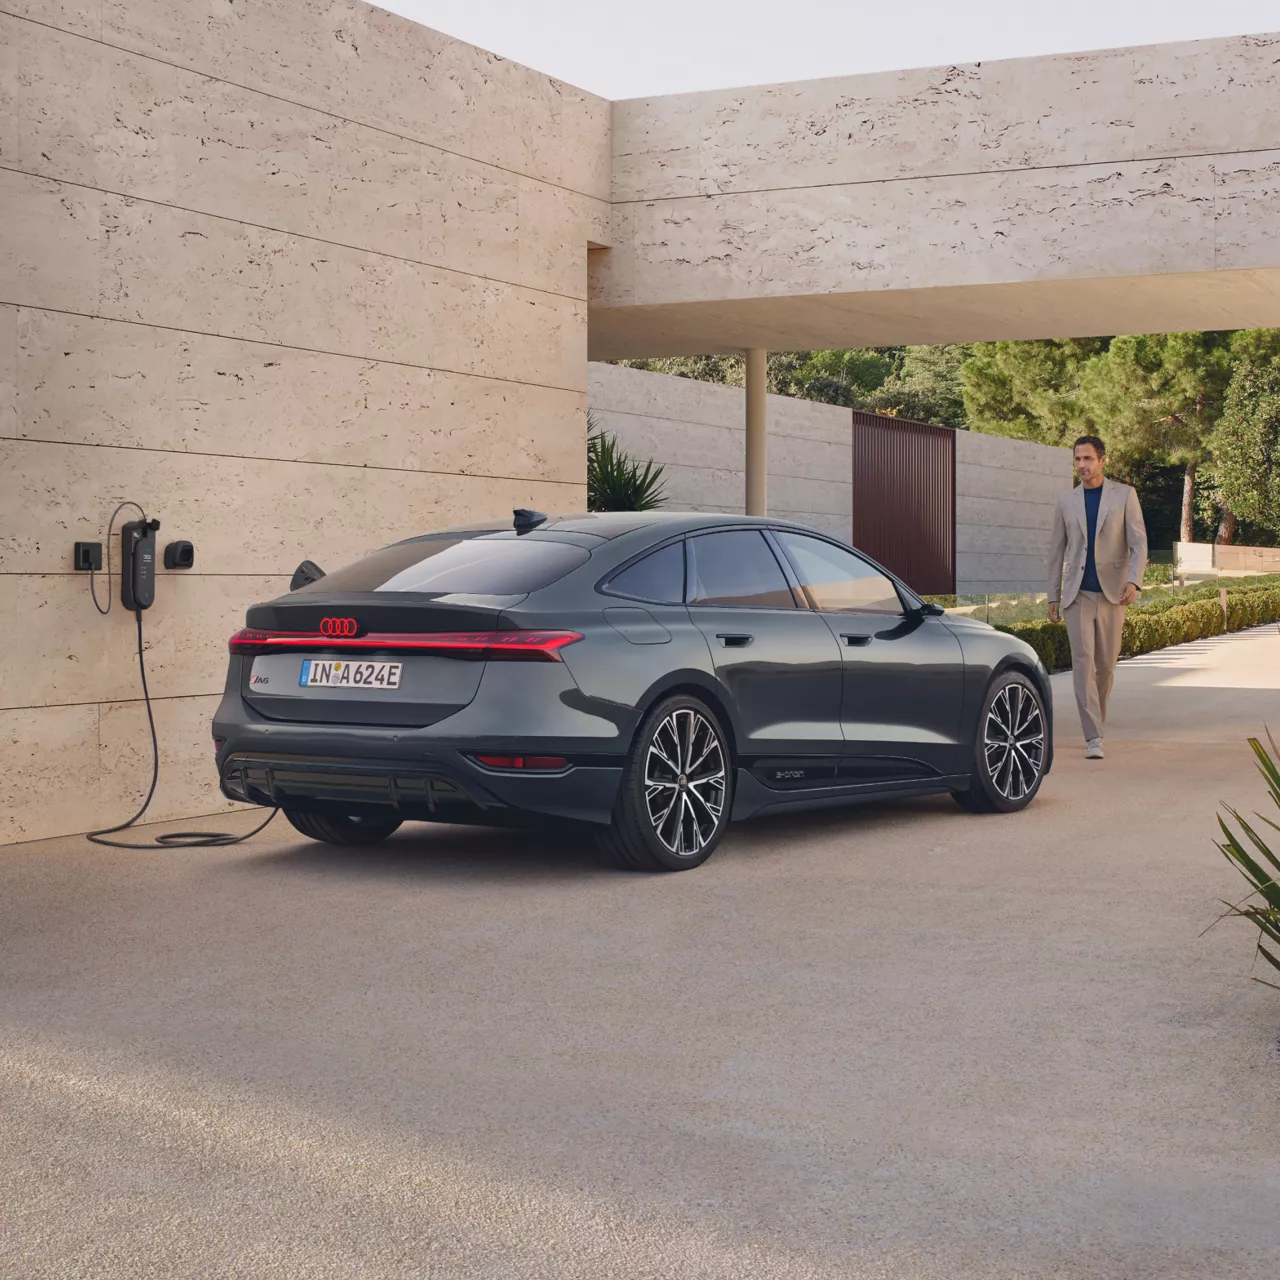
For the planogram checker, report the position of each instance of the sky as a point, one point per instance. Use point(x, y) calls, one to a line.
point(637, 48)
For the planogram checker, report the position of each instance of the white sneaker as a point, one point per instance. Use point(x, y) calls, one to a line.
point(1093, 749)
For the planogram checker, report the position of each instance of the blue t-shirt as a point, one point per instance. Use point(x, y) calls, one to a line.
point(1092, 500)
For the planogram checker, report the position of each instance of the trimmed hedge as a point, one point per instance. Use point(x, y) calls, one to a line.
point(1159, 626)
point(1048, 639)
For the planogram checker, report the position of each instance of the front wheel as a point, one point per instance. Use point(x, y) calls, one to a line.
point(1009, 750)
point(676, 792)
point(343, 828)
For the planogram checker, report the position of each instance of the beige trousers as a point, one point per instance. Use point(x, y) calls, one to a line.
point(1094, 625)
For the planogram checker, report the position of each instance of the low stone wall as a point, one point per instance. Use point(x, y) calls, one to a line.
point(1005, 491)
point(1209, 560)
point(696, 431)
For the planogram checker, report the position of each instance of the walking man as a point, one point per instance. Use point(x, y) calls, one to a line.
point(1100, 538)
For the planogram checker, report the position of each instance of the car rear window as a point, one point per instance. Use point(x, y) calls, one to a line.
point(658, 578)
point(500, 564)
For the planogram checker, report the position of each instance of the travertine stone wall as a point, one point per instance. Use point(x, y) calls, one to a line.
point(299, 278)
point(1005, 492)
point(953, 202)
point(696, 431)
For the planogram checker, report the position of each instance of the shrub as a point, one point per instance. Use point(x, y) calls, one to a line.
point(1145, 632)
point(1252, 608)
point(1048, 639)
point(615, 480)
point(1160, 623)
point(1259, 865)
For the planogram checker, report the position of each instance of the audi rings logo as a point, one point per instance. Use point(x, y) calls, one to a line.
point(339, 627)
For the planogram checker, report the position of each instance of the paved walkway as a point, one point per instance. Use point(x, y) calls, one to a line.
point(890, 1043)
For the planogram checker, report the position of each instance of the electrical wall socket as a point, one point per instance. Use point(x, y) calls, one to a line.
point(88, 555)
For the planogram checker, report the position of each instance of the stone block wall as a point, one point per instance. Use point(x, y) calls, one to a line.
point(1005, 491)
point(696, 430)
point(300, 279)
point(1002, 199)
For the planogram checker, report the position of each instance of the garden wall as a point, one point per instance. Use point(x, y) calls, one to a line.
point(696, 431)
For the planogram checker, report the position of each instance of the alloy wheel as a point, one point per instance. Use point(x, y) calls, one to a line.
point(1013, 741)
point(684, 781)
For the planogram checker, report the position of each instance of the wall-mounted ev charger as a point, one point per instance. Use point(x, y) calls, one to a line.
point(138, 563)
point(138, 592)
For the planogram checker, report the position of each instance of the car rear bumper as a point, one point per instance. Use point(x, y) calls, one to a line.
point(448, 788)
point(440, 786)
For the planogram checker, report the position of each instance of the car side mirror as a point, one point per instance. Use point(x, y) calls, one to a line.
point(927, 610)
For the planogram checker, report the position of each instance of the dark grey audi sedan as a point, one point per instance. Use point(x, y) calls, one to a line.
point(651, 675)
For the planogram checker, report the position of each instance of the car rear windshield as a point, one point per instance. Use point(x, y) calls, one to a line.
point(496, 564)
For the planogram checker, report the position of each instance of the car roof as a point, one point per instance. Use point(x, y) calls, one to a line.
point(613, 524)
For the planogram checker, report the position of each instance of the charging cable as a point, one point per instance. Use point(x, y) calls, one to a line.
point(171, 839)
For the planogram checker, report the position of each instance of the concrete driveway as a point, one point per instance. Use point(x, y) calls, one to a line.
point(893, 1042)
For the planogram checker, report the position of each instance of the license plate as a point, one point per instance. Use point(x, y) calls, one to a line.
point(345, 674)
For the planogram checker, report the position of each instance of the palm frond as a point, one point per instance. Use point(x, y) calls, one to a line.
point(1259, 864)
point(615, 480)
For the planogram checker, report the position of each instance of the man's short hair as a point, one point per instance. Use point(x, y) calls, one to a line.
point(1098, 447)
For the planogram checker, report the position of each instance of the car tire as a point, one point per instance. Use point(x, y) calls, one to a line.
point(343, 828)
point(676, 792)
point(1010, 748)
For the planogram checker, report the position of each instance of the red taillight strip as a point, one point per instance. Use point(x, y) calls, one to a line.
point(545, 764)
point(533, 646)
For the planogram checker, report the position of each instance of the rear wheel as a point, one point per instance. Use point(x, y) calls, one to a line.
point(1009, 749)
point(343, 828)
point(676, 791)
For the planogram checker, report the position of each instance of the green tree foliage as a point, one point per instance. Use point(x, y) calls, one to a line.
point(834, 377)
point(907, 382)
point(729, 369)
point(1246, 447)
point(926, 386)
point(1160, 396)
point(1029, 390)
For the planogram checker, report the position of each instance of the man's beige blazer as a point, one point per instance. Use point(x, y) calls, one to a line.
point(1119, 549)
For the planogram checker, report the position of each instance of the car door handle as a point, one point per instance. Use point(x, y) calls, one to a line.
point(731, 641)
point(853, 639)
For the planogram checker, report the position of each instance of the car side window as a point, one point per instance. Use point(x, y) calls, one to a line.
point(835, 580)
point(657, 578)
point(736, 567)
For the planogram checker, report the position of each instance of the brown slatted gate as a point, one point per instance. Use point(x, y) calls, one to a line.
point(904, 499)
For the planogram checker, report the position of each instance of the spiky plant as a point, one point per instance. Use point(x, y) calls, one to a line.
point(1259, 865)
point(615, 480)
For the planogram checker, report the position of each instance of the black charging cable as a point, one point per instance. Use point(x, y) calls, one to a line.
point(171, 839)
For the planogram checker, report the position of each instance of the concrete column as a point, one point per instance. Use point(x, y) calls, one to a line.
point(757, 434)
